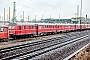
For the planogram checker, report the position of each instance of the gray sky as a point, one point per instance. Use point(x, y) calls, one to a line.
point(66, 8)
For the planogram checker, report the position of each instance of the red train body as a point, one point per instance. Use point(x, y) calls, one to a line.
point(34, 29)
point(4, 34)
point(30, 29)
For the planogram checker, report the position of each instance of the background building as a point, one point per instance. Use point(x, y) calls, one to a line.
point(77, 20)
point(50, 20)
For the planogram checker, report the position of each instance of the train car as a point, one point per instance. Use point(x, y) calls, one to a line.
point(4, 34)
point(46, 28)
point(30, 29)
point(35, 29)
point(83, 26)
point(17, 30)
point(65, 27)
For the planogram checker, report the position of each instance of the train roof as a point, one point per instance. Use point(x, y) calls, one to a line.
point(2, 26)
point(18, 23)
point(32, 24)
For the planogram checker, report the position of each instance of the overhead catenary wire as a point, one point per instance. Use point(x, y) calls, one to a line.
point(40, 2)
point(44, 4)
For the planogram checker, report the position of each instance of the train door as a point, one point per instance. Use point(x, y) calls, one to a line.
point(22, 29)
point(36, 27)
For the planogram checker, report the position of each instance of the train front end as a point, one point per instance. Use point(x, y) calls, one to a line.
point(4, 34)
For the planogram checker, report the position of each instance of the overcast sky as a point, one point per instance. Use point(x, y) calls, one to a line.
point(66, 8)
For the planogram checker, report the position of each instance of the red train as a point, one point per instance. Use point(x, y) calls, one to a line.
point(4, 33)
point(19, 30)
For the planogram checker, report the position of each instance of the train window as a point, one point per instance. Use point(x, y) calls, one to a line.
point(46, 26)
point(49, 26)
point(65, 25)
point(24, 27)
point(28, 27)
point(53, 26)
point(32, 27)
point(43, 26)
point(5, 29)
point(13, 27)
point(60, 26)
point(19, 27)
point(1, 29)
point(9, 27)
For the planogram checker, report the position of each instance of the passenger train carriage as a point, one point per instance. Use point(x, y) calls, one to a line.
point(4, 34)
point(19, 30)
point(32, 29)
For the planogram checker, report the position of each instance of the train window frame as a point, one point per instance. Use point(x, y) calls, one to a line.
point(5, 29)
point(60, 26)
point(29, 27)
point(24, 27)
point(53, 26)
point(41, 26)
point(32, 27)
point(19, 27)
point(10, 27)
point(1, 29)
point(13, 27)
point(45, 26)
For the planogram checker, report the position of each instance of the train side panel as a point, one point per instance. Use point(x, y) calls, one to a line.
point(4, 34)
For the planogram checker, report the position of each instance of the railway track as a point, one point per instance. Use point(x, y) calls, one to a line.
point(11, 40)
point(31, 50)
point(28, 40)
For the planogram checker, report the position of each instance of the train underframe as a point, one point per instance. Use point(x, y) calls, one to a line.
point(4, 39)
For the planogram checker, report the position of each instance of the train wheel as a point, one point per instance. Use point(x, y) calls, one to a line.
point(15, 37)
point(6, 40)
